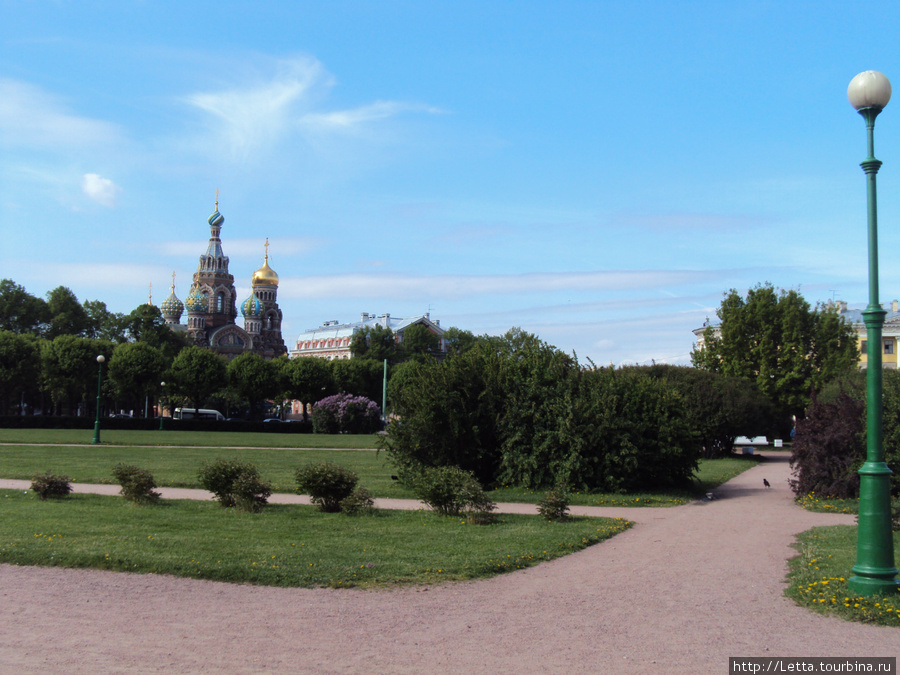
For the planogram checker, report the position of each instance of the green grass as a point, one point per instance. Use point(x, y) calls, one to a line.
point(283, 545)
point(818, 577)
point(827, 504)
point(177, 466)
point(209, 439)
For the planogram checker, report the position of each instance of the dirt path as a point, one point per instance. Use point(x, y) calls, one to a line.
point(683, 590)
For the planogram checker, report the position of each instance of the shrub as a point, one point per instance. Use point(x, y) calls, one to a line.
point(49, 486)
point(235, 483)
point(828, 448)
point(326, 484)
point(358, 502)
point(137, 484)
point(452, 491)
point(555, 504)
point(346, 414)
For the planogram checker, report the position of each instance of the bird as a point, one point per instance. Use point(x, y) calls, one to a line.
point(766, 483)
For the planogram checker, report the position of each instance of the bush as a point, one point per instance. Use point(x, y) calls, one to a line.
point(346, 414)
point(451, 491)
point(235, 483)
point(829, 448)
point(137, 484)
point(49, 486)
point(555, 505)
point(359, 502)
point(326, 484)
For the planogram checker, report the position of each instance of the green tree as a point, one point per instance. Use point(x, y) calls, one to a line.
point(420, 342)
point(146, 324)
point(67, 316)
point(102, 323)
point(375, 342)
point(255, 379)
point(135, 371)
point(308, 380)
point(720, 408)
point(458, 340)
point(21, 312)
point(196, 374)
point(20, 369)
point(775, 340)
point(360, 377)
point(69, 366)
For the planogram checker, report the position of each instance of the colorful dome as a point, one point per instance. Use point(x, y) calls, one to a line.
point(195, 302)
point(252, 308)
point(172, 307)
point(216, 219)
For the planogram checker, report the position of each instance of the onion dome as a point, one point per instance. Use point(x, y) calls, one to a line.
point(172, 308)
point(216, 219)
point(265, 275)
point(195, 302)
point(252, 308)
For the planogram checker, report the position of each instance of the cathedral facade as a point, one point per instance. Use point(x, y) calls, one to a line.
point(212, 308)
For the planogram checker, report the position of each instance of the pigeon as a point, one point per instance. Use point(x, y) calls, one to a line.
point(766, 483)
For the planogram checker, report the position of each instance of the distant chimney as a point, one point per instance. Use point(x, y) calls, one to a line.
point(364, 317)
point(895, 306)
point(387, 320)
point(842, 306)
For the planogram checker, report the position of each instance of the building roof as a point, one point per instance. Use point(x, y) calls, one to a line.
point(335, 329)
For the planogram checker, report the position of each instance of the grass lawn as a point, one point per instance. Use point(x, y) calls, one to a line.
point(828, 505)
point(209, 439)
point(177, 466)
point(282, 545)
point(818, 577)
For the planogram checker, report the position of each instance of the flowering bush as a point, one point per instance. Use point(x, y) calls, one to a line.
point(346, 414)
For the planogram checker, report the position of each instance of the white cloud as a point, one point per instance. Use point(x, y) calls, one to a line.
point(99, 189)
point(257, 116)
point(448, 286)
point(31, 117)
point(346, 120)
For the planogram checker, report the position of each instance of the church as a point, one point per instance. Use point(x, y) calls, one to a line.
point(211, 305)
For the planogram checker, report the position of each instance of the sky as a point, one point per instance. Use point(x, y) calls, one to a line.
point(597, 173)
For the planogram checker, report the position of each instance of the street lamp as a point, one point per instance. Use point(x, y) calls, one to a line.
point(100, 360)
point(875, 574)
point(162, 397)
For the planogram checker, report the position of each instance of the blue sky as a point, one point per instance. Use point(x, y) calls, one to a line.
point(595, 173)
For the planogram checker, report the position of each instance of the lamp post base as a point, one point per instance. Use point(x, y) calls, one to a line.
point(96, 438)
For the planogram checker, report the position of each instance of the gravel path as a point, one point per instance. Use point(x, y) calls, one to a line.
point(680, 592)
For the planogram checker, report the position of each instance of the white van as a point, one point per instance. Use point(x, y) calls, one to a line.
point(194, 414)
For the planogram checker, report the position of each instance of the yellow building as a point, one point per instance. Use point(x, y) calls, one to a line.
point(890, 334)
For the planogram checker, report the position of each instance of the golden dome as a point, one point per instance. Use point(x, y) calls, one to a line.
point(265, 275)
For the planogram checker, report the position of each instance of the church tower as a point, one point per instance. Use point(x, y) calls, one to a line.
point(262, 316)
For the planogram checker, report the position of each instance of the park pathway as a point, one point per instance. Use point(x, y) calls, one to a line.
point(680, 592)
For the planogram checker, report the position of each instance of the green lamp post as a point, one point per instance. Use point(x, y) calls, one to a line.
point(162, 398)
point(874, 571)
point(100, 360)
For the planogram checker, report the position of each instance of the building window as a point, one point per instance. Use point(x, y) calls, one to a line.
point(888, 346)
point(863, 347)
point(220, 302)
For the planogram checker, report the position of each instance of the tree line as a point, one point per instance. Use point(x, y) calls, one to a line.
point(49, 349)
